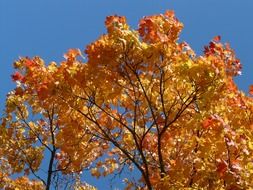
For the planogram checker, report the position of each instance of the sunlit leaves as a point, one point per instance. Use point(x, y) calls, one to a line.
point(23, 183)
point(160, 28)
point(115, 23)
point(72, 54)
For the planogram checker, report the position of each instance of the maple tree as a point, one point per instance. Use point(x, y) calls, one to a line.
point(142, 101)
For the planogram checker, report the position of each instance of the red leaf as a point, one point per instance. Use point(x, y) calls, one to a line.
point(212, 45)
point(28, 62)
point(251, 89)
point(19, 91)
point(43, 92)
point(17, 76)
point(222, 168)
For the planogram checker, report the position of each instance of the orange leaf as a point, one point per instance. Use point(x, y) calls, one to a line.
point(72, 54)
point(217, 38)
point(170, 13)
point(112, 22)
point(207, 122)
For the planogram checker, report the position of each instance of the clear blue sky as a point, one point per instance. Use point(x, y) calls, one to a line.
point(48, 28)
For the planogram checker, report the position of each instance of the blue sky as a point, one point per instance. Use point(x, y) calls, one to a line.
point(48, 28)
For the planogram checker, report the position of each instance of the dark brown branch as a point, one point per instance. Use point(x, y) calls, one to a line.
point(54, 149)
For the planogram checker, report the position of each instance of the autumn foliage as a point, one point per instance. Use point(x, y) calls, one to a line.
point(135, 100)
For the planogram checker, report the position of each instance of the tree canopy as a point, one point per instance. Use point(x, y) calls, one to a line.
point(137, 100)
